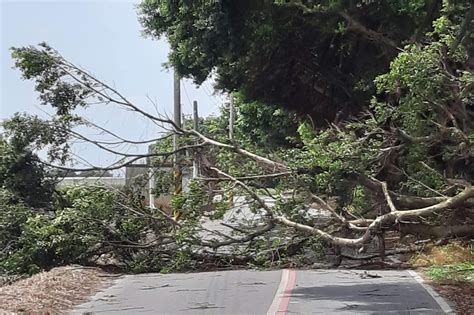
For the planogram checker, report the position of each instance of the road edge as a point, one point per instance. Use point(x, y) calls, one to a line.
point(447, 309)
point(99, 294)
point(282, 296)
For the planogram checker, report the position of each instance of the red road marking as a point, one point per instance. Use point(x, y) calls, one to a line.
point(285, 299)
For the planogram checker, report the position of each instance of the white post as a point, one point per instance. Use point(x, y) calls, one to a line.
point(151, 185)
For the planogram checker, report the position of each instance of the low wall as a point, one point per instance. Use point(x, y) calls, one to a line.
point(103, 181)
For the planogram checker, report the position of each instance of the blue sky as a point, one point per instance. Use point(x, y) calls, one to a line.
point(105, 38)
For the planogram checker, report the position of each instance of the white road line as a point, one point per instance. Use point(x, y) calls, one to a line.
point(438, 298)
point(273, 309)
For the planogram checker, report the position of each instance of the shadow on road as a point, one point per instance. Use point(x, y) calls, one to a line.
point(371, 297)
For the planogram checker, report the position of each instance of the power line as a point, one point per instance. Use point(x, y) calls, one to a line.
point(209, 94)
point(186, 93)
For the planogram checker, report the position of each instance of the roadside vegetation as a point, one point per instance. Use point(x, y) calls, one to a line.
point(447, 263)
point(362, 110)
point(454, 272)
point(450, 269)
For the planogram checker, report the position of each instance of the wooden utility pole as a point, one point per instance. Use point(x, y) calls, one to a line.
point(176, 112)
point(231, 138)
point(231, 117)
point(178, 174)
point(196, 127)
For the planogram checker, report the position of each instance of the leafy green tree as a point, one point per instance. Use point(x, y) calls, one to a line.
point(265, 127)
point(417, 136)
point(22, 175)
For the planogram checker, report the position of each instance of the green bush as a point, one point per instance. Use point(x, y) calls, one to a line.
point(39, 240)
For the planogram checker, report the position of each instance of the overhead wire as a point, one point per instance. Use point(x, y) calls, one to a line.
point(208, 91)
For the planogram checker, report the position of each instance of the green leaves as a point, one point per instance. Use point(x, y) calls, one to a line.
point(306, 56)
point(426, 87)
point(261, 126)
point(49, 69)
point(458, 272)
point(24, 177)
point(31, 133)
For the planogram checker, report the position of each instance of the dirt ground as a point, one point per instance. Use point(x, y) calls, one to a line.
point(461, 295)
point(53, 292)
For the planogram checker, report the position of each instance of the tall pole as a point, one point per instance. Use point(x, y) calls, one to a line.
point(178, 175)
point(231, 138)
point(231, 117)
point(176, 112)
point(196, 127)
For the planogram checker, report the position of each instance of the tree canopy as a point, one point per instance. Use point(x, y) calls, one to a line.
point(317, 58)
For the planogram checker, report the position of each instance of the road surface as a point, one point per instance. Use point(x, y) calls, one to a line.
point(268, 292)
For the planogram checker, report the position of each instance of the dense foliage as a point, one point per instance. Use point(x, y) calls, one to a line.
point(314, 57)
point(23, 177)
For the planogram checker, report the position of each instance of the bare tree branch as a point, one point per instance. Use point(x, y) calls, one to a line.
point(260, 159)
point(356, 26)
point(250, 177)
point(254, 195)
point(379, 222)
point(387, 197)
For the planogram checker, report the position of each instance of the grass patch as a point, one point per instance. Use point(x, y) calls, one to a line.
point(450, 254)
point(453, 262)
point(463, 272)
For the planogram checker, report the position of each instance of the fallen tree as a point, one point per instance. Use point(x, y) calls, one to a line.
point(405, 165)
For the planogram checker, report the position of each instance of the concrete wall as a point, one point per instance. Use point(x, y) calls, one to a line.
point(116, 182)
point(131, 173)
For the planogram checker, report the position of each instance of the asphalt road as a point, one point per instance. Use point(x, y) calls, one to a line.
point(268, 292)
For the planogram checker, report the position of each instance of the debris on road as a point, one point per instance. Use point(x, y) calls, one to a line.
point(54, 291)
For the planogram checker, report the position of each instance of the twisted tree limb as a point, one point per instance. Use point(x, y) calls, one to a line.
point(381, 221)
